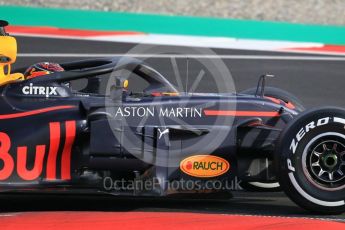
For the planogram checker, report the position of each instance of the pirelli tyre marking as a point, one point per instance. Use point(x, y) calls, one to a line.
point(305, 129)
point(293, 146)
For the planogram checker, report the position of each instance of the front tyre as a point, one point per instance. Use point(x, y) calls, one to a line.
point(310, 156)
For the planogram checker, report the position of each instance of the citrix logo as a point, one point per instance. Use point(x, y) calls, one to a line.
point(39, 90)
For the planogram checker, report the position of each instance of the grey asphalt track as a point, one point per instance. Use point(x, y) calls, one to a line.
point(315, 82)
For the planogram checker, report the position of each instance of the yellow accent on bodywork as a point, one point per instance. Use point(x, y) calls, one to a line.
point(125, 84)
point(8, 52)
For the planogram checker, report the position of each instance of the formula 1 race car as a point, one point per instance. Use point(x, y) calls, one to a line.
point(162, 142)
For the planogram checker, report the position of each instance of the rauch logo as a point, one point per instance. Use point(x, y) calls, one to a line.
point(204, 166)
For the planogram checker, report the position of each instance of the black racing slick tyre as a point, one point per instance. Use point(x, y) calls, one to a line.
point(310, 160)
point(278, 94)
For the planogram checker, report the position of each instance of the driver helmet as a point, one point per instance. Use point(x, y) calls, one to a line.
point(41, 69)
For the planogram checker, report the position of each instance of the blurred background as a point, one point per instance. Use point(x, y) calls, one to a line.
point(300, 11)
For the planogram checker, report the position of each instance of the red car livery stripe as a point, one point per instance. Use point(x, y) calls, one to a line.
point(236, 113)
point(54, 128)
point(35, 112)
point(70, 133)
point(67, 150)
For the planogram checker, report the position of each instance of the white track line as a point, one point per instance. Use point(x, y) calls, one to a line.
point(245, 57)
point(7, 215)
point(290, 217)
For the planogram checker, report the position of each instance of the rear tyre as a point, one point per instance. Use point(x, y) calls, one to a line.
point(279, 94)
point(310, 156)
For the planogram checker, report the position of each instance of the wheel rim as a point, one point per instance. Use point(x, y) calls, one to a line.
point(324, 161)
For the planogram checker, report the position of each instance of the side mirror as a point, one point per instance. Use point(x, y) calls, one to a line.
point(261, 85)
